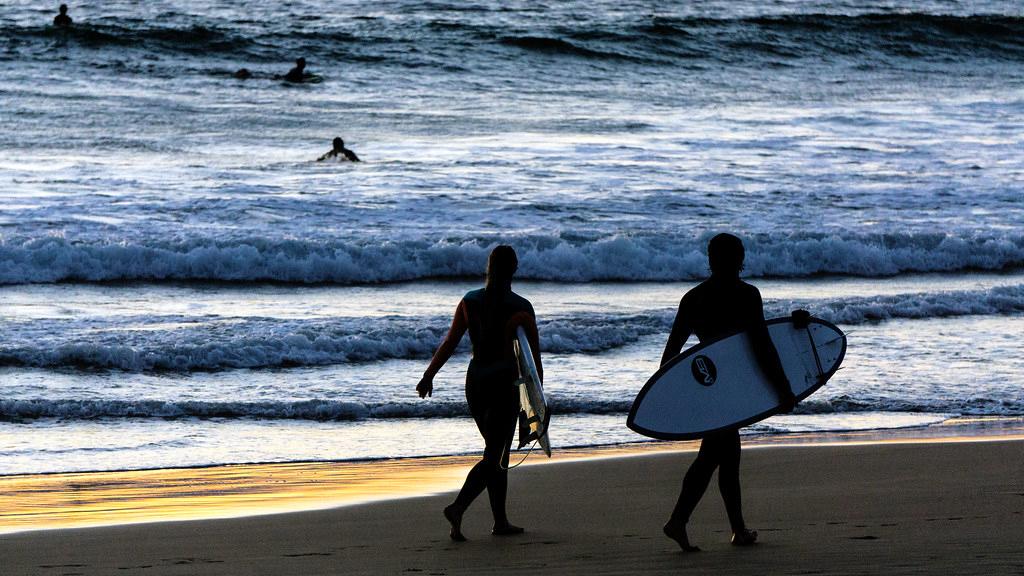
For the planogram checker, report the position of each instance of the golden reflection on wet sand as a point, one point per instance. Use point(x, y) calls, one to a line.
point(69, 500)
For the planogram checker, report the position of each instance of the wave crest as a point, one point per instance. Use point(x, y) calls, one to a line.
point(325, 410)
point(658, 40)
point(179, 343)
point(563, 258)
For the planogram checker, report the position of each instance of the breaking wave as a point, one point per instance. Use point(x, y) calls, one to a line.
point(564, 258)
point(181, 343)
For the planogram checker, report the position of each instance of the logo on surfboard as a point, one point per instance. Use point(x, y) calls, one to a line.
point(704, 371)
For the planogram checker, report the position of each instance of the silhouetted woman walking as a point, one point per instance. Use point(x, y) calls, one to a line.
point(491, 315)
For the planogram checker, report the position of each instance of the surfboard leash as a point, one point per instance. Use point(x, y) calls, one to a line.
point(508, 451)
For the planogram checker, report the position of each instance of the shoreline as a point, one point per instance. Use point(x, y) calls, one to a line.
point(980, 427)
point(64, 500)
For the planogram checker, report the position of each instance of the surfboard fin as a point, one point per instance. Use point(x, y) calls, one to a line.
point(801, 319)
point(528, 431)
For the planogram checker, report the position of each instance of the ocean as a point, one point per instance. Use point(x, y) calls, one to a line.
point(182, 284)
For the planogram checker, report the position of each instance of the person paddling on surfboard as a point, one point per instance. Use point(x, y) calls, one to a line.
point(62, 20)
point(338, 150)
point(298, 74)
point(720, 306)
point(491, 315)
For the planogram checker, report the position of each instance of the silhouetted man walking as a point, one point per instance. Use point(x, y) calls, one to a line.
point(721, 306)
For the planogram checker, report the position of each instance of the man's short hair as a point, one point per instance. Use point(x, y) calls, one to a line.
point(725, 253)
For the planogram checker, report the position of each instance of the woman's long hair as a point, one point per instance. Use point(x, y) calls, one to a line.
point(501, 266)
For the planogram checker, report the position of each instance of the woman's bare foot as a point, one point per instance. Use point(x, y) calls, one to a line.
point(454, 517)
point(677, 532)
point(506, 530)
point(744, 537)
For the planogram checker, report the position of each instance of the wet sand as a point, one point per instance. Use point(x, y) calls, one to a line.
point(946, 507)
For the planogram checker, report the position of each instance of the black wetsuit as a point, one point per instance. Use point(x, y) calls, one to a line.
point(719, 307)
point(491, 394)
point(348, 154)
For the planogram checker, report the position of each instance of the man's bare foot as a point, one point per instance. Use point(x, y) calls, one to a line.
point(677, 532)
point(506, 530)
point(454, 517)
point(744, 537)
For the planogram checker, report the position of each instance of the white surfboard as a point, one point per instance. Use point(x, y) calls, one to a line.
point(534, 416)
point(719, 385)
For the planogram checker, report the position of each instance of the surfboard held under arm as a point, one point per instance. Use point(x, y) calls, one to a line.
point(720, 385)
point(534, 416)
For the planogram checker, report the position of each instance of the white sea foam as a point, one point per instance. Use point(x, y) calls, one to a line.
point(994, 301)
point(181, 343)
point(639, 257)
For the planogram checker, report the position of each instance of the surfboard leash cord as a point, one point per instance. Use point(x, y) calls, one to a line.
point(508, 451)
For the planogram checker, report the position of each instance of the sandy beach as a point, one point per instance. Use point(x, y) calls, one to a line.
point(931, 507)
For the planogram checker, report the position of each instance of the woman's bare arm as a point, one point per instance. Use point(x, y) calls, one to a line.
point(451, 341)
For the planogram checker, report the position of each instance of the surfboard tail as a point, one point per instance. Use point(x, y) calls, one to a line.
point(534, 415)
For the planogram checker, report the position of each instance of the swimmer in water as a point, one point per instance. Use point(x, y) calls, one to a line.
point(339, 149)
point(297, 74)
point(62, 20)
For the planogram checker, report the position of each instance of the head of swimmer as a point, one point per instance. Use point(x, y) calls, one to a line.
point(501, 266)
point(725, 255)
point(338, 144)
point(300, 63)
point(64, 9)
